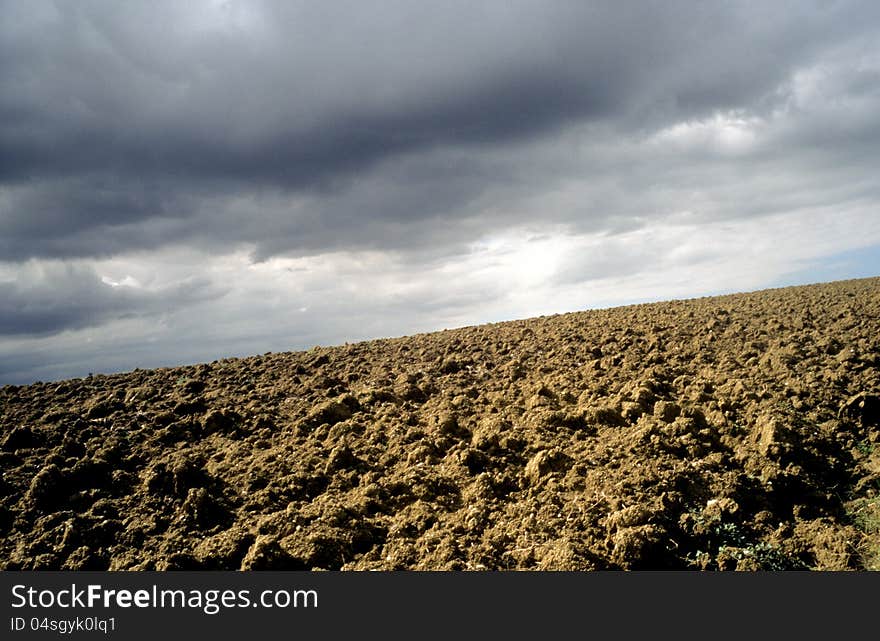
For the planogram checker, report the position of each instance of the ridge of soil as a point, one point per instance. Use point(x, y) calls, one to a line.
point(732, 432)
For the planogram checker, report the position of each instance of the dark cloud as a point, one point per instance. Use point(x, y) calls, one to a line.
point(50, 298)
point(129, 126)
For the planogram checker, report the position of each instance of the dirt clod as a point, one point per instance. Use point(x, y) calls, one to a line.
point(19, 438)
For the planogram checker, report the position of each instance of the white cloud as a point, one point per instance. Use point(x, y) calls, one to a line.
point(295, 303)
point(731, 133)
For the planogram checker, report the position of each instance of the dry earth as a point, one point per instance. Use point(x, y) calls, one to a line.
point(735, 432)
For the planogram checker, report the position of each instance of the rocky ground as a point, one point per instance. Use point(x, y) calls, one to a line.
point(735, 432)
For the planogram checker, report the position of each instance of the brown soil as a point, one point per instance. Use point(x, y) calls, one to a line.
point(736, 432)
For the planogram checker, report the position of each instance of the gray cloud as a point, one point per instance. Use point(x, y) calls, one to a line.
point(45, 299)
point(127, 126)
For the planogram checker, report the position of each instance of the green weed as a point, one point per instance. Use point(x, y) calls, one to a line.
point(865, 515)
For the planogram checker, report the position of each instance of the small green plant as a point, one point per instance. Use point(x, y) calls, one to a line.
point(865, 448)
point(866, 517)
point(731, 541)
point(765, 556)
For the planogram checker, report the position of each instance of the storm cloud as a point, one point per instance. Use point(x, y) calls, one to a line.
point(45, 299)
point(200, 146)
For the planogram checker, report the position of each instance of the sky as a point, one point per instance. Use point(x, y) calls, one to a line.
point(187, 181)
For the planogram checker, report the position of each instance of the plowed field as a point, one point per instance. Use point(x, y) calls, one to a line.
point(734, 432)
